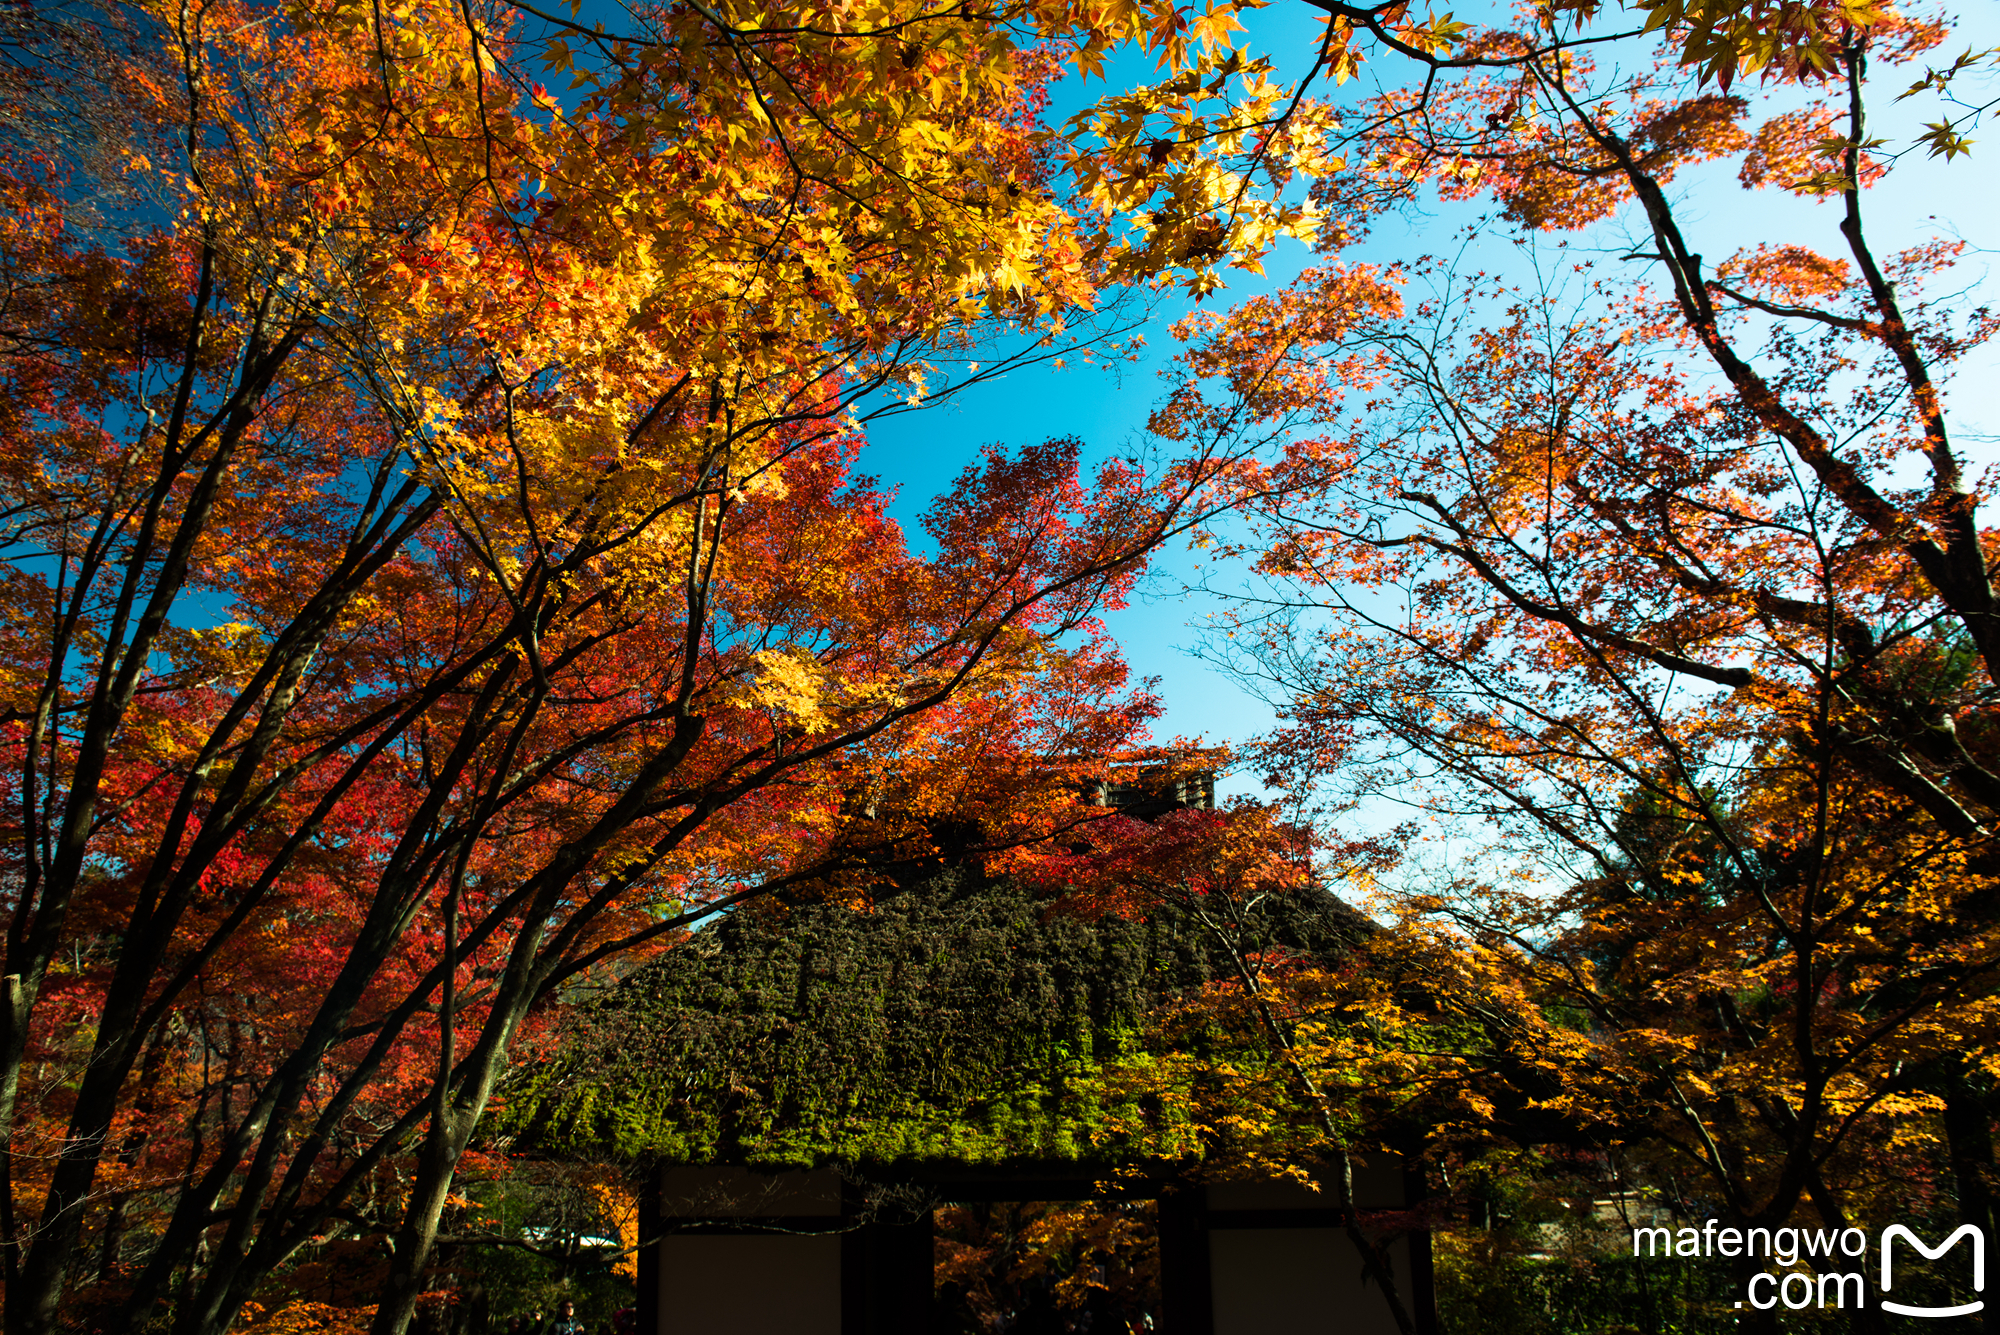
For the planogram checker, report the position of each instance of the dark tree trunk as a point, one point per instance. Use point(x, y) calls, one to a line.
point(1968, 1127)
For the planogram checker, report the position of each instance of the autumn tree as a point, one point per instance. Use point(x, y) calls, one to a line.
point(1653, 548)
point(436, 565)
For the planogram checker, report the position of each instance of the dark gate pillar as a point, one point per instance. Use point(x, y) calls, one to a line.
point(1187, 1305)
point(887, 1278)
point(649, 1260)
point(1423, 1273)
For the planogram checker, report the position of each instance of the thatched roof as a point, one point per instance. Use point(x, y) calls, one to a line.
point(960, 1021)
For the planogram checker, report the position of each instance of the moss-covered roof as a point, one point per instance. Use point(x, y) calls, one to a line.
point(960, 1021)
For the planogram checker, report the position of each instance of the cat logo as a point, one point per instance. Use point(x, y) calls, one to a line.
point(1895, 1231)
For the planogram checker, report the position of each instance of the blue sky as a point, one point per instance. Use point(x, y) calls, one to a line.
point(922, 452)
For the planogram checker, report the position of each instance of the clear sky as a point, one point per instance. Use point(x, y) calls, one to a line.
point(922, 452)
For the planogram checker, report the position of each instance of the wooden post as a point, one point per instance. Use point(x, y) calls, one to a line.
point(1423, 1276)
point(1187, 1305)
point(649, 1256)
point(887, 1273)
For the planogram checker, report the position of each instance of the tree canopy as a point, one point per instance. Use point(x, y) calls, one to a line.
point(436, 563)
point(1652, 558)
point(440, 565)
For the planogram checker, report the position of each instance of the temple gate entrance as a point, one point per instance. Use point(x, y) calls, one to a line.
point(808, 1253)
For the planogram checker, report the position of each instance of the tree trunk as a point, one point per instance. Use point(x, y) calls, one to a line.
point(450, 1132)
point(1968, 1131)
point(417, 1237)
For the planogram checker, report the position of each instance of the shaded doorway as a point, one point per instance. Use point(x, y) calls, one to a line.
point(1083, 1267)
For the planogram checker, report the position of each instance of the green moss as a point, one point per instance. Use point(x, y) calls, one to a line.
point(960, 1020)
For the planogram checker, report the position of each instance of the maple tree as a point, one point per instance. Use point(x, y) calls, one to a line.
point(1668, 570)
point(1012, 1263)
point(437, 566)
